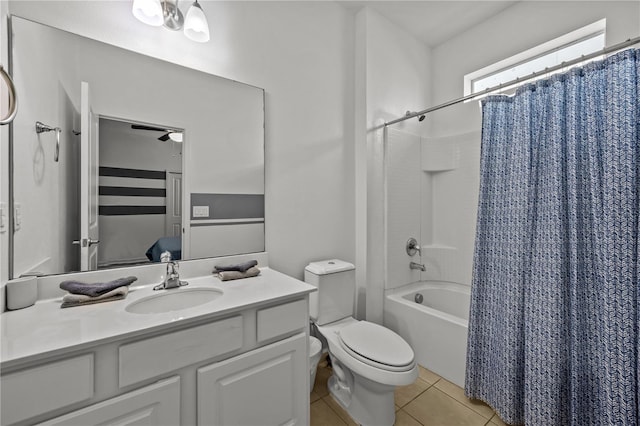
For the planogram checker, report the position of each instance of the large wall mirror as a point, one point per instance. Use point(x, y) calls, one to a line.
point(132, 156)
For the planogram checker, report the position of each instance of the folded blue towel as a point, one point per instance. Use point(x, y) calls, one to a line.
point(95, 289)
point(241, 267)
point(70, 300)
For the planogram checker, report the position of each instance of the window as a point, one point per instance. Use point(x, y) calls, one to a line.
point(583, 41)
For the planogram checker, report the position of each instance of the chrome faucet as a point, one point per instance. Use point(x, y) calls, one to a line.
point(172, 278)
point(420, 266)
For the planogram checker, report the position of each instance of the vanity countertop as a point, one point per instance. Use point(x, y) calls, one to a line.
point(45, 329)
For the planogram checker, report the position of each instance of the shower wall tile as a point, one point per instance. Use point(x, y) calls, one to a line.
point(403, 206)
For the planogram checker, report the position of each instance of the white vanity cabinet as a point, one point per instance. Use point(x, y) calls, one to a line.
point(261, 387)
point(239, 367)
point(157, 404)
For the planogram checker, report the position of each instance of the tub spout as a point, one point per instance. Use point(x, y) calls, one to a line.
point(420, 266)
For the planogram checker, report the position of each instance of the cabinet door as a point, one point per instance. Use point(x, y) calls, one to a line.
point(157, 404)
point(267, 386)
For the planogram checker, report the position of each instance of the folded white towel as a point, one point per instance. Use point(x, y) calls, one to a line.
point(71, 299)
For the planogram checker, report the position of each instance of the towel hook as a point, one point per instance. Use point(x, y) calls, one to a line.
point(13, 98)
point(41, 128)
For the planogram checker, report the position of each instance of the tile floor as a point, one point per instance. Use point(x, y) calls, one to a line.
point(430, 400)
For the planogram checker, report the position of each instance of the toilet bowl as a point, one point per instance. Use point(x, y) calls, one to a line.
point(368, 360)
point(315, 351)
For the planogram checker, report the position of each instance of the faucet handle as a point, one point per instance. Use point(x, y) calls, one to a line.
point(413, 247)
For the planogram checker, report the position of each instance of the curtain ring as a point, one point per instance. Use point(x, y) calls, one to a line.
point(13, 98)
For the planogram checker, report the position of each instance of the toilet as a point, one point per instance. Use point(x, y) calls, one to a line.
point(368, 360)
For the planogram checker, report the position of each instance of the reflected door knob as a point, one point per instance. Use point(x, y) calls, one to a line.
point(85, 242)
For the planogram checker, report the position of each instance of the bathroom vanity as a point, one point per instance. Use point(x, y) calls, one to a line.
point(240, 358)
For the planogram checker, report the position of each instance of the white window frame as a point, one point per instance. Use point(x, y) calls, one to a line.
point(587, 32)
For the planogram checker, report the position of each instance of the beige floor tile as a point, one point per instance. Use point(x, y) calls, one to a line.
point(320, 386)
point(313, 397)
point(341, 412)
point(322, 362)
point(496, 420)
point(405, 394)
point(434, 407)
point(404, 419)
point(457, 392)
point(323, 415)
point(427, 375)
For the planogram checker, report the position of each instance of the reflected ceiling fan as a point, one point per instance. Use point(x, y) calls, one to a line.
point(174, 135)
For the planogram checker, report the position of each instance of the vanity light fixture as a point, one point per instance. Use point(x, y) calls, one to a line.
point(167, 13)
point(176, 136)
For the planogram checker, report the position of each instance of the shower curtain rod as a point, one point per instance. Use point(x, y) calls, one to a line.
point(605, 51)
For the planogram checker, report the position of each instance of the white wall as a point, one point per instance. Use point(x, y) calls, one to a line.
point(519, 27)
point(301, 54)
point(393, 77)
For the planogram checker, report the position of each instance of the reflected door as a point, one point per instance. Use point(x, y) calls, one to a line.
point(88, 182)
point(173, 223)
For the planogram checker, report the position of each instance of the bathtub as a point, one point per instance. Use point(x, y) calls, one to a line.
point(436, 328)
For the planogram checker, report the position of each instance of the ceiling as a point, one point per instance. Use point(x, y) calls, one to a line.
point(433, 22)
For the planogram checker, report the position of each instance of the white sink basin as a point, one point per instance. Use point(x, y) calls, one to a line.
point(173, 300)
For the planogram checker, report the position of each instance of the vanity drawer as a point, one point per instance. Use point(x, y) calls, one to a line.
point(152, 357)
point(281, 320)
point(38, 390)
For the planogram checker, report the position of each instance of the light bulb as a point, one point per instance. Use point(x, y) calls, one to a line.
point(195, 24)
point(148, 11)
point(175, 136)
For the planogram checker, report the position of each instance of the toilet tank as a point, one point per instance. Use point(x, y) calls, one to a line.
point(335, 280)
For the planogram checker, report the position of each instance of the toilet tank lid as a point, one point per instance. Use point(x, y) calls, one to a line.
point(330, 266)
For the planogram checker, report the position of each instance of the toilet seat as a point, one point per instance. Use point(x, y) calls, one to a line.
point(376, 346)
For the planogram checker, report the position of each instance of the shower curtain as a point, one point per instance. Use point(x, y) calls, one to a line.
point(554, 321)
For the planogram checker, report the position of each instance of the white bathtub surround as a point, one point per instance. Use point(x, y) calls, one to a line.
point(430, 194)
point(436, 329)
point(403, 197)
point(421, 176)
point(450, 171)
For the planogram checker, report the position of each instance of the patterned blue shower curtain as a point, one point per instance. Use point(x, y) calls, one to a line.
point(555, 306)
